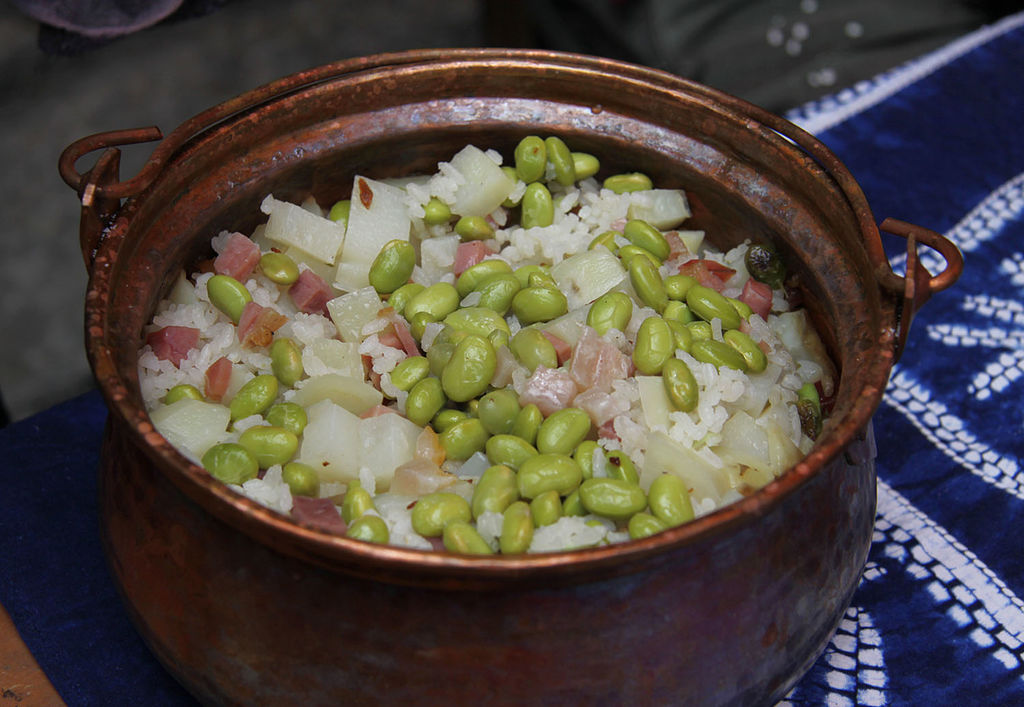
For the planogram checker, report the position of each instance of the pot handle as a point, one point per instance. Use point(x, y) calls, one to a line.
point(918, 284)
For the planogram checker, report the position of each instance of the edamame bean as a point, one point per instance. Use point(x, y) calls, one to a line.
point(708, 304)
point(531, 348)
point(230, 463)
point(607, 240)
point(629, 182)
point(584, 456)
point(495, 490)
point(439, 300)
point(808, 407)
point(717, 353)
point(562, 431)
point(286, 361)
point(741, 307)
point(646, 281)
point(527, 423)
point(470, 369)
point(254, 397)
point(644, 525)
point(473, 228)
point(627, 252)
point(418, 324)
point(546, 472)
point(461, 537)
point(340, 211)
point(182, 391)
point(572, 505)
point(426, 398)
point(441, 351)
point(753, 355)
point(516, 529)
point(699, 330)
point(669, 500)
point(269, 445)
point(393, 266)
point(680, 385)
point(524, 272)
point(655, 344)
point(302, 479)
point(279, 268)
point(369, 528)
point(464, 439)
point(585, 164)
point(612, 498)
point(400, 297)
point(477, 320)
point(434, 511)
point(530, 158)
point(682, 335)
point(436, 212)
point(446, 418)
point(620, 466)
point(611, 310)
point(561, 159)
point(764, 265)
point(497, 291)
point(357, 502)
point(291, 416)
point(538, 304)
point(228, 295)
point(538, 210)
point(508, 449)
point(546, 508)
point(640, 233)
point(475, 275)
point(409, 372)
point(498, 410)
point(677, 311)
point(676, 286)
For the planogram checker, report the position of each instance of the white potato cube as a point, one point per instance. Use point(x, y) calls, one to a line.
point(379, 214)
point(352, 311)
point(387, 441)
point(585, 276)
point(486, 186)
point(355, 395)
point(330, 442)
point(292, 226)
point(662, 208)
point(192, 425)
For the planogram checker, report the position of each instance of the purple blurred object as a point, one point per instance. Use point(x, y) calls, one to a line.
point(98, 19)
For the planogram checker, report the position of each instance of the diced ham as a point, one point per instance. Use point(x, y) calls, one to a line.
point(239, 257)
point(469, 254)
point(597, 362)
point(172, 343)
point(217, 378)
point(398, 333)
point(257, 325)
point(708, 273)
point(601, 406)
point(311, 293)
point(758, 296)
point(676, 247)
point(562, 348)
point(550, 389)
point(318, 512)
point(607, 431)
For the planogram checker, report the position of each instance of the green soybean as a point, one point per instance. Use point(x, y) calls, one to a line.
point(228, 295)
point(446, 418)
point(495, 490)
point(286, 361)
point(718, 354)
point(291, 416)
point(620, 466)
point(464, 439)
point(741, 307)
point(561, 159)
point(475, 276)
point(497, 292)
point(644, 525)
point(470, 369)
point(669, 500)
point(607, 240)
point(418, 324)
point(627, 252)
point(340, 211)
point(612, 498)
point(585, 164)
point(462, 538)
point(539, 304)
point(531, 348)
point(182, 391)
point(356, 502)
point(254, 397)
point(439, 300)
point(441, 350)
point(677, 311)
point(498, 410)
point(655, 344)
point(680, 385)
point(400, 297)
point(269, 445)
point(708, 304)
point(611, 310)
point(474, 228)
point(477, 320)
point(434, 511)
point(509, 450)
point(526, 273)
point(643, 234)
point(369, 528)
point(546, 508)
point(682, 335)
point(436, 212)
point(527, 423)
point(647, 283)
point(302, 479)
point(426, 398)
point(393, 266)
point(584, 456)
point(538, 210)
point(572, 505)
point(699, 330)
point(530, 158)
point(546, 472)
point(628, 182)
point(752, 354)
point(230, 463)
point(562, 431)
point(516, 529)
point(409, 372)
point(279, 268)
point(676, 286)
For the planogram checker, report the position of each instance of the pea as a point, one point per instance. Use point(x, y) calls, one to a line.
point(470, 369)
point(752, 354)
point(302, 479)
point(612, 498)
point(477, 320)
point(699, 330)
point(369, 528)
point(682, 335)
point(513, 177)
point(464, 439)
point(764, 265)
point(446, 418)
point(528, 276)
point(400, 297)
point(531, 158)
point(357, 501)
point(340, 211)
point(643, 234)
point(538, 210)
point(436, 212)
point(680, 385)
point(527, 423)
point(508, 449)
point(644, 525)
point(409, 372)
point(562, 431)
point(498, 410)
point(611, 310)
point(270, 445)
point(627, 252)
point(545, 472)
point(669, 500)
point(475, 276)
point(182, 391)
point(516, 529)
point(463, 538)
point(230, 463)
point(655, 344)
point(572, 505)
point(676, 286)
point(538, 304)
point(561, 159)
point(546, 508)
point(286, 361)
point(279, 268)
point(585, 164)
point(708, 304)
point(228, 295)
point(584, 456)
point(426, 398)
point(646, 281)
point(718, 354)
point(473, 228)
point(434, 511)
point(531, 348)
point(629, 182)
point(607, 240)
point(495, 490)
point(439, 300)
point(393, 266)
point(678, 311)
point(254, 397)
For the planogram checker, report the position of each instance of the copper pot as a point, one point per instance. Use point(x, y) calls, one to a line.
point(245, 606)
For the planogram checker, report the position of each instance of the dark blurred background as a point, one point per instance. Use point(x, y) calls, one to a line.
point(69, 69)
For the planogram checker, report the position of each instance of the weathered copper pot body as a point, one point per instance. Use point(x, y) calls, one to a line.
point(244, 606)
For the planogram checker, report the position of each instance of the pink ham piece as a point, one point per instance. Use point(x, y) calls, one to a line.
point(318, 512)
point(257, 325)
point(601, 406)
point(311, 293)
point(217, 378)
point(758, 296)
point(397, 335)
point(562, 348)
point(239, 257)
point(469, 254)
point(172, 343)
point(550, 389)
point(597, 362)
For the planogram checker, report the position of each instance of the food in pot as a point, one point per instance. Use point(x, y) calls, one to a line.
point(492, 358)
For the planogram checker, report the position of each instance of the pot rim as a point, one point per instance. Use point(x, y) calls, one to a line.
point(416, 566)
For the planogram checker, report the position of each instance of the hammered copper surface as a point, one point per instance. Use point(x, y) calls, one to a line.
point(245, 606)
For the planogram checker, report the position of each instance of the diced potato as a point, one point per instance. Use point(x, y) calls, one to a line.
point(486, 186)
point(349, 277)
point(654, 401)
point(782, 453)
point(193, 425)
point(568, 327)
point(585, 276)
point(183, 291)
point(743, 441)
point(355, 395)
point(352, 311)
point(378, 215)
point(665, 455)
point(330, 442)
point(292, 226)
point(332, 356)
point(387, 442)
point(662, 208)
point(691, 239)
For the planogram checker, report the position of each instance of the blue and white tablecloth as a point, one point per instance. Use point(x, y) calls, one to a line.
point(939, 616)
